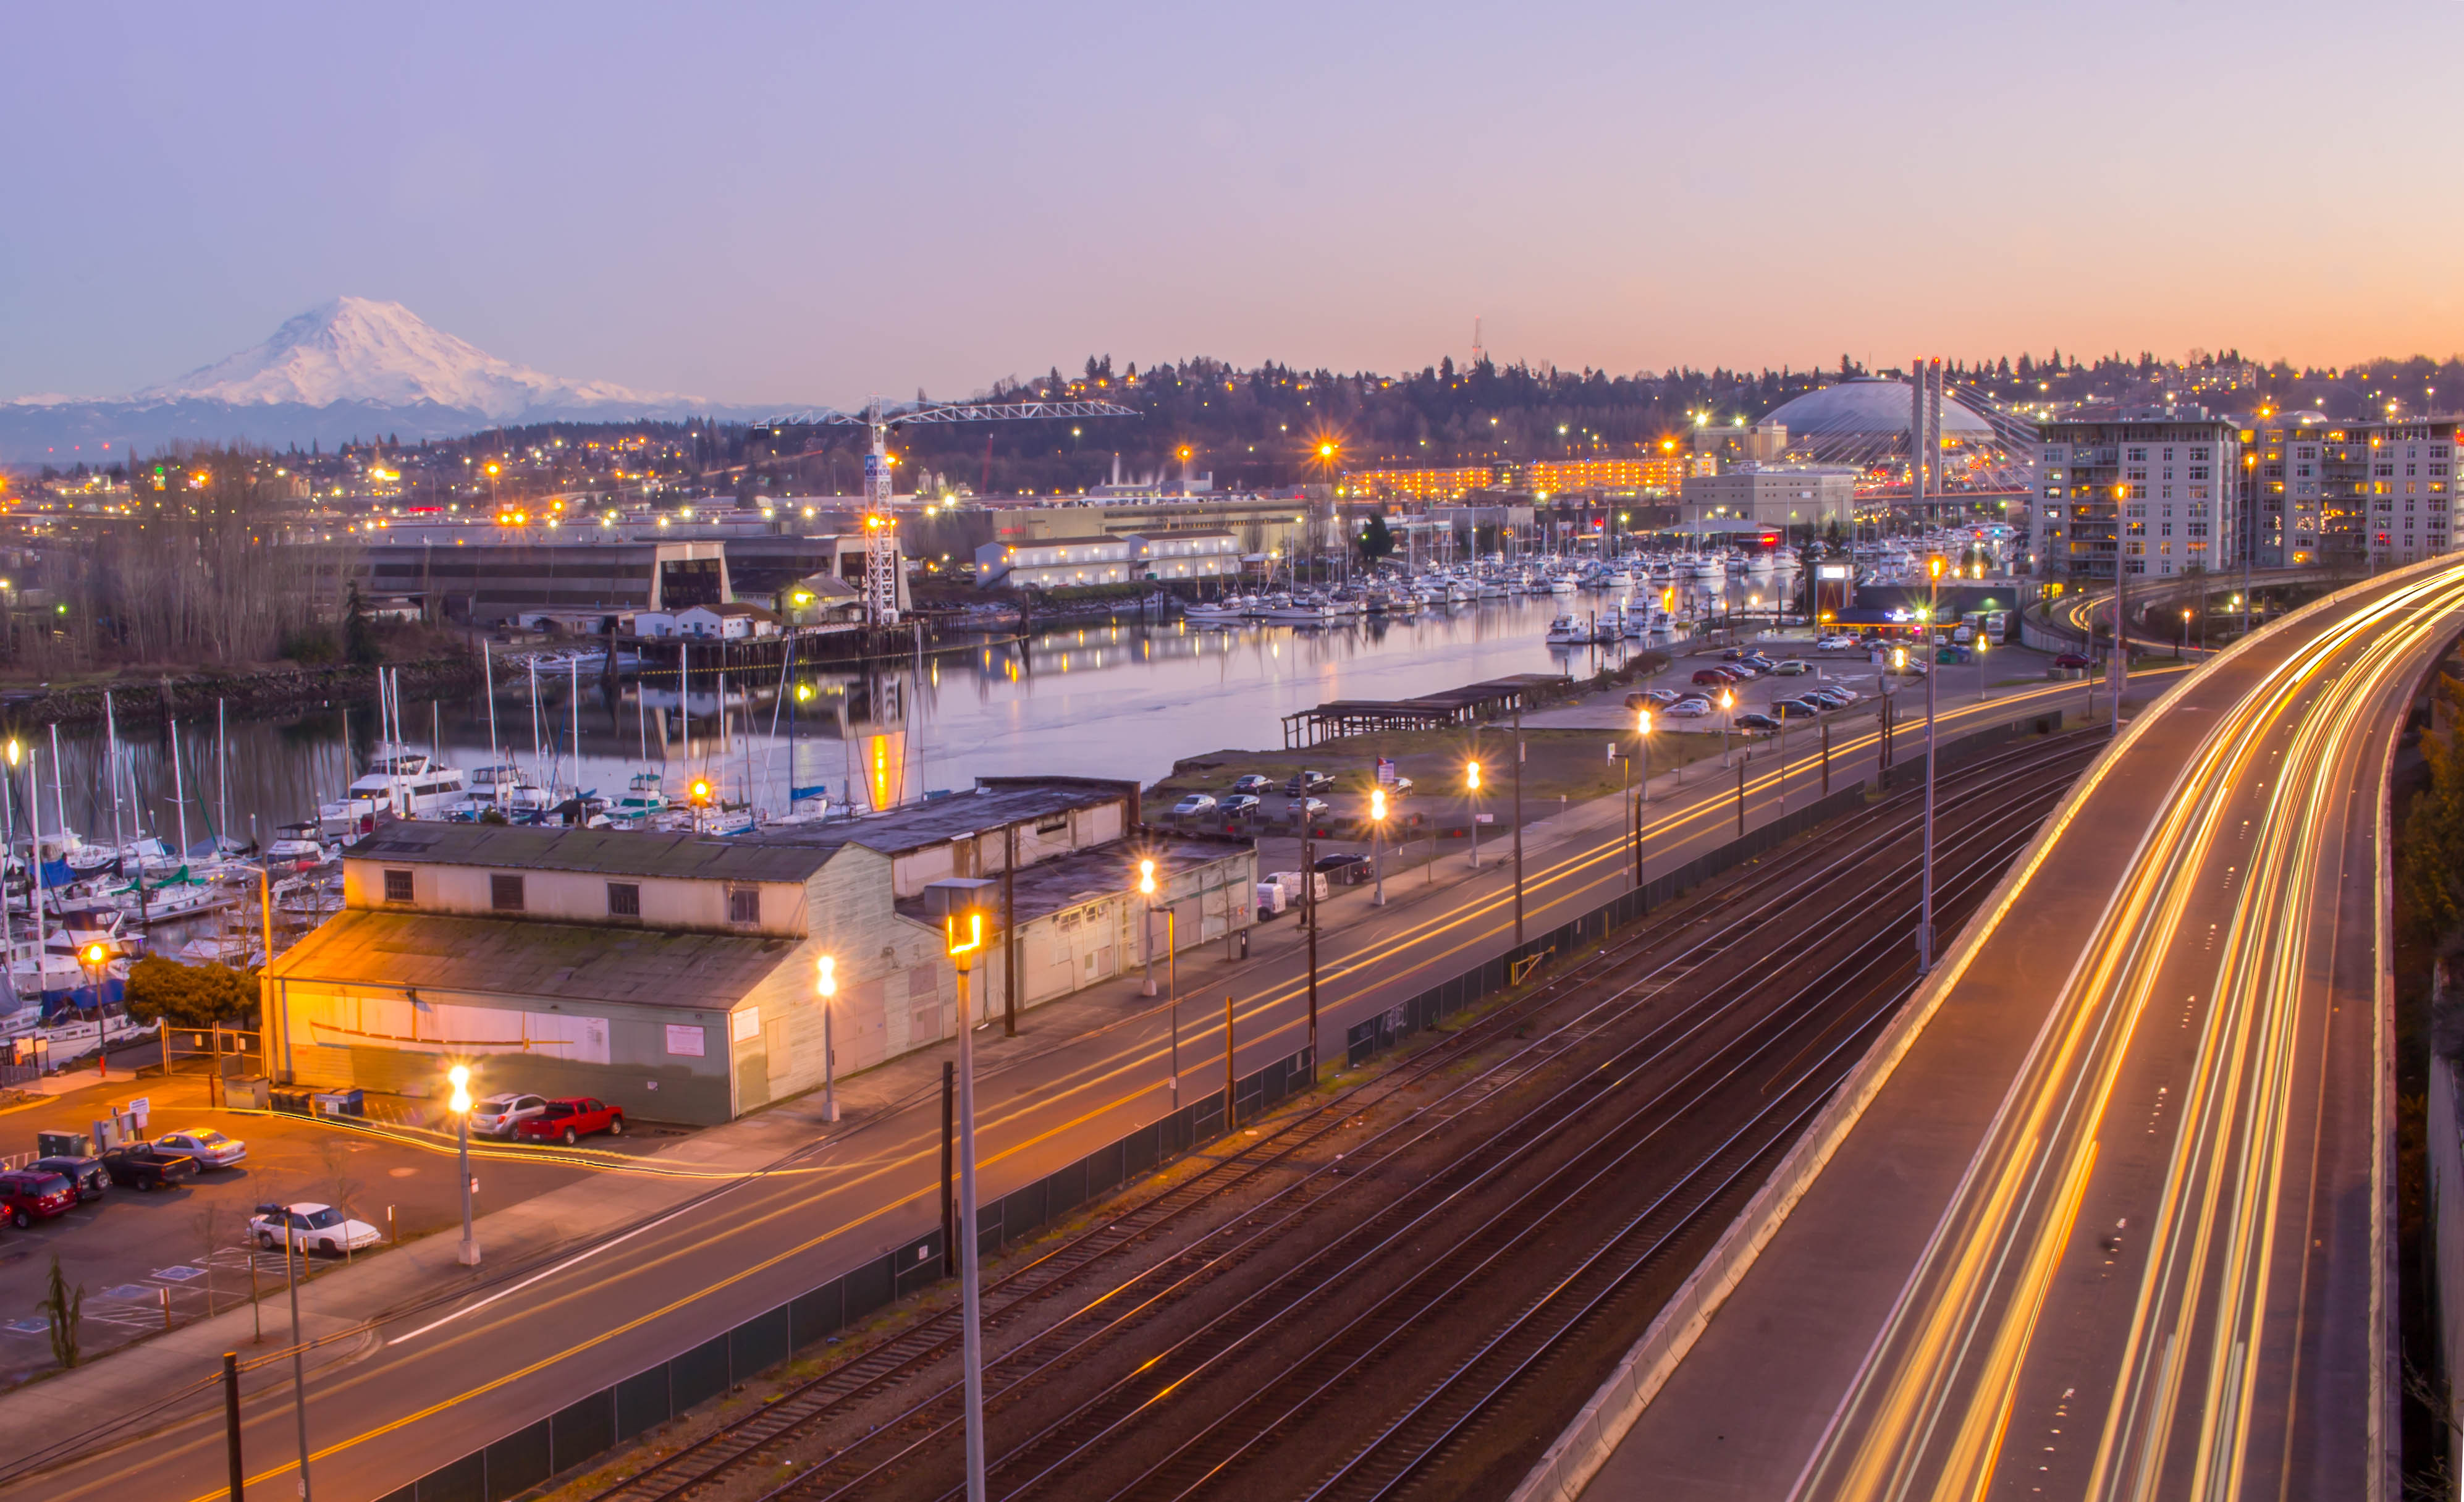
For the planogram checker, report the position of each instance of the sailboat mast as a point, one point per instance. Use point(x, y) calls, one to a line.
point(179, 790)
point(538, 753)
point(222, 761)
point(488, 669)
point(575, 664)
point(60, 799)
point(34, 855)
point(111, 768)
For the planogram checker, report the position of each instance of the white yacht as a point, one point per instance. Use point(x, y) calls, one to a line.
point(402, 783)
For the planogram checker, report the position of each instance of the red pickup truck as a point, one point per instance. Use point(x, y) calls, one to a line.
point(573, 1117)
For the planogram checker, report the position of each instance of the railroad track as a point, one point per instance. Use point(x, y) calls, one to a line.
point(1481, 1260)
point(1295, 1150)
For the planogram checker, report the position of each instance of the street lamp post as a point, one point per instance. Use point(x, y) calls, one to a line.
point(964, 932)
point(1924, 913)
point(2180, 651)
point(1641, 785)
point(460, 1105)
point(1728, 719)
point(1980, 665)
point(1471, 780)
point(1172, 952)
point(825, 984)
point(1377, 846)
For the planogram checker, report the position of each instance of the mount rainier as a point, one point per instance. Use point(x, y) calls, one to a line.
point(354, 367)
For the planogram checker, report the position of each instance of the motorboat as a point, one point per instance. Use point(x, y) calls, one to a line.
point(401, 781)
point(1567, 630)
point(646, 793)
point(297, 844)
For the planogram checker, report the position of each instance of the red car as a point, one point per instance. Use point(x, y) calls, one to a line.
point(2071, 659)
point(27, 1196)
point(1713, 678)
point(567, 1120)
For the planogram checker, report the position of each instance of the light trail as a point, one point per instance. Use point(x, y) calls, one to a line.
point(2175, 1383)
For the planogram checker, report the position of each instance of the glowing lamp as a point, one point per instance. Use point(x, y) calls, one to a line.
point(460, 1076)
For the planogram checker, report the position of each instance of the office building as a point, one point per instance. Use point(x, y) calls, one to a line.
point(2152, 491)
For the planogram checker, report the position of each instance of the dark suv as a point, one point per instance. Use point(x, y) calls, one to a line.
point(27, 1196)
point(1303, 784)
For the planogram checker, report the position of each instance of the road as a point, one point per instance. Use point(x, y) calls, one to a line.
point(424, 1388)
point(2113, 1229)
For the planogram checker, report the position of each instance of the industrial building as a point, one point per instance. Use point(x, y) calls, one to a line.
point(1773, 495)
point(673, 974)
point(1096, 559)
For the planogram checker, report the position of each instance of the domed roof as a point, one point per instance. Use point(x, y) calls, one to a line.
point(1868, 405)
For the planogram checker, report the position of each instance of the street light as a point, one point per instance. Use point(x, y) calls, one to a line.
point(1932, 639)
point(963, 931)
point(460, 1106)
point(1729, 717)
point(2178, 651)
point(1171, 961)
point(1471, 782)
point(1377, 845)
point(1641, 785)
point(825, 984)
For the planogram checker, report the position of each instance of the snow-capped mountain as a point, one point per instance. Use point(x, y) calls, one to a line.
point(354, 366)
point(356, 349)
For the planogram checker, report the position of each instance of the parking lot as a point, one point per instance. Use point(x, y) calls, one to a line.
point(185, 1250)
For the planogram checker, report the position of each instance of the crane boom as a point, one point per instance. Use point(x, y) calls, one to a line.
point(879, 417)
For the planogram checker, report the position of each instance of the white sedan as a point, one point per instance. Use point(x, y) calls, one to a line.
point(1193, 807)
point(311, 1227)
point(1687, 709)
point(208, 1146)
point(1835, 644)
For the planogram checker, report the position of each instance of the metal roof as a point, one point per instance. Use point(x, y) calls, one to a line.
point(615, 853)
point(521, 958)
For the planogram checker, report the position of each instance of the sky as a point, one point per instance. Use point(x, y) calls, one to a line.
point(812, 203)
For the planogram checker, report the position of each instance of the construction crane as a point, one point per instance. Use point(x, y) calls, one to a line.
point(881, 418)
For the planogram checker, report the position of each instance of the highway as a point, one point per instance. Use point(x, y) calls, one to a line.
point(428, 1382)
point(2114, 1227)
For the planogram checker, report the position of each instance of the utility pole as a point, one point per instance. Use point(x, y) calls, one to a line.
point(1924, 906)
point(949, 1149)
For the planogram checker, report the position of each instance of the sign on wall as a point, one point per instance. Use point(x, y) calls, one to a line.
point(685, 1041)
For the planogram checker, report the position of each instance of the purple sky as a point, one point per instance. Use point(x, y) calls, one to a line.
point(808, 203)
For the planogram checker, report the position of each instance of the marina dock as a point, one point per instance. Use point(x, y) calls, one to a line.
point(1464, 706)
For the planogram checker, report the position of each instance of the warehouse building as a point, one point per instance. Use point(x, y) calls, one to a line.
point(672, 974)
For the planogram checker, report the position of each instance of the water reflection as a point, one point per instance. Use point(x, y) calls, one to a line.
point(1123, 700)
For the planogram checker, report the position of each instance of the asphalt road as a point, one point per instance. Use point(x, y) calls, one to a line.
point(424, 1389)
point(2114, 1227)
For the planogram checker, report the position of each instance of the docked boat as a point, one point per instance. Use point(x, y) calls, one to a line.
point(398, 781)
point(1567, 630)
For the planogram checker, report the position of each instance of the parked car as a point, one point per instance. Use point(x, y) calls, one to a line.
point(2073, 660)
point(1688, 709)
point(1836, 695)
point(1798, 708)
point(1401, 788)
point(85, 1174)
point(1835, 644)
point(1756, 723)
point(1253, 783)
point(497, 1115)
point(1911, 668)
point(142, 1165)
point(1303, 782)
point(1793, 668)
point(1240, 806)
point(1345, 870)
point(1309, 809)
point(208, 1146)
point(1712, 678)
point(1193, 806)
point(311, 1227)
point(26, 1195)
point(1759, 661)
point(571, 1119)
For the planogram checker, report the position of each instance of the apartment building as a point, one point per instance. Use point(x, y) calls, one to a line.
point(2150, 492)
point(2350, 495)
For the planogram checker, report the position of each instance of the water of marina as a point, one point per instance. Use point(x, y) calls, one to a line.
point(1122, 700)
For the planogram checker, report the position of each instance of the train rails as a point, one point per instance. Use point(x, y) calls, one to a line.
point(1558, 1154)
